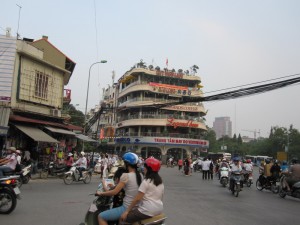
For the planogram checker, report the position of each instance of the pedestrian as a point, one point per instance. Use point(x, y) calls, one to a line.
point(180, 163)
point(205, 169)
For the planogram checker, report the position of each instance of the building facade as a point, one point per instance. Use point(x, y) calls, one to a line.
point(144, 117)
point(222, 127)
point(33, 75)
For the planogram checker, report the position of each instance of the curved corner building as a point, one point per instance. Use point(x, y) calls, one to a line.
point(146, 127)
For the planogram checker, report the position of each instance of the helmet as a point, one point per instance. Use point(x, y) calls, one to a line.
point(18, 151)
point(224, 160)
point(70, 154)
point(153, 163)
point(130, 158)
point(248, 161)
point(82, 153)
point(276, 161)
point(236, 159)
point(267, 161)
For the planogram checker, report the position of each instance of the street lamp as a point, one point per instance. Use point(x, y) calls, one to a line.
point(87, 91)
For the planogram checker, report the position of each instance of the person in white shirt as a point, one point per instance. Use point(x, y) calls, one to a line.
point(150, 194)
point(236, 167)
point(81, 163)
point(8, 163)
point(205, 169)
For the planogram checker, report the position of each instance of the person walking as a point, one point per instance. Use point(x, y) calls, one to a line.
point(205, 169)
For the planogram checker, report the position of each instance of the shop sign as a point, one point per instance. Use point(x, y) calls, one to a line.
point(122, 140)
point(168, 74)
point(188, 123)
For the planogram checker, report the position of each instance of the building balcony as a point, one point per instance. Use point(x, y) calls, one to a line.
point(67, 96)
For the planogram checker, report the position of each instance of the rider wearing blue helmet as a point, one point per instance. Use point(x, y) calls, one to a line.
point(130, 182)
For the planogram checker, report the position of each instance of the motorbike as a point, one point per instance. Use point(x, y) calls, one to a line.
point(53, 170)
point(267, 183)
point(295, 189)
point(103, 203)
point(74, 175)
point(23, 175)
point(224, 179)
point(248, 178)
point(235, 187)
point(9, 193)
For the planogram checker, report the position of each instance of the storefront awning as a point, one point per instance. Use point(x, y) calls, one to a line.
point(36, 134)
point(60, 131)
point(85, 138)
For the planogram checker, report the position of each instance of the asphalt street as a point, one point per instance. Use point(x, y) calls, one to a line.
point(187, 200)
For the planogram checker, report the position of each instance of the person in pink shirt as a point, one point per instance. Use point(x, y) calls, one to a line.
point(8, 163)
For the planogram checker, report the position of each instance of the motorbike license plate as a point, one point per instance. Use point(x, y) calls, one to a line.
point(17, 191)
point(93, 208)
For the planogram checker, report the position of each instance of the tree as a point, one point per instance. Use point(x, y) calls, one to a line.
point(76, 116)
point(157, 68)
point(150, 67)
point(194, 69)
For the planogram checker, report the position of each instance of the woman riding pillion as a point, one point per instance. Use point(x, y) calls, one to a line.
point(149, 198)
point(130, 182)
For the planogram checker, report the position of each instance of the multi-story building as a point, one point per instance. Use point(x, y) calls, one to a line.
point(33, 75)
point(222, 126)
point(148, 120)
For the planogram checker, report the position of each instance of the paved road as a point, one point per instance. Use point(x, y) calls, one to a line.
point(188, 200)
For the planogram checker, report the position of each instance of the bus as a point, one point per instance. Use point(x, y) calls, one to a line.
point(257, 159)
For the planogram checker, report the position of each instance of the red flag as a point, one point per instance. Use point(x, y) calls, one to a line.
point(167, 62)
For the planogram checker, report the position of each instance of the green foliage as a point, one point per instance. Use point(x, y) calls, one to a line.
point(280, 138)
point(77, 117)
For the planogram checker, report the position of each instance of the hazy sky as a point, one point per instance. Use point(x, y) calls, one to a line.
point(233, 42)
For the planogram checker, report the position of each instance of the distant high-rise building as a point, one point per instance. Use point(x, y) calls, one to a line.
point(222, 126)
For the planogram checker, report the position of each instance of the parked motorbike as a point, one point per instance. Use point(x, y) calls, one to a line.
point(235, 187)
point(53, 170)
point(9, 193)
point(295, 189)
point(224, 178)
point(248, 178)
point(103, 203)
point(267, 183)
point(73, 175)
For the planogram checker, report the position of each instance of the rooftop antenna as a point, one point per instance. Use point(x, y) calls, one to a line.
point(113, 77)
point(20, 7)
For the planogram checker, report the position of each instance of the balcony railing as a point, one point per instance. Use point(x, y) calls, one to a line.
point(159, 116)
point(164, 134)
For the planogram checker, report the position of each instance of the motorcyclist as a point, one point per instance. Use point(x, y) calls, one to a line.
point(130, 182)
point(149, 196)
point(293, 174)
point(275, 170)
point(236, 167)
point(8, 163)
point(81, 164)
point(222, 164)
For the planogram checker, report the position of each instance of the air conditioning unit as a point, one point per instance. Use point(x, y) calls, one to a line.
point(55, 112)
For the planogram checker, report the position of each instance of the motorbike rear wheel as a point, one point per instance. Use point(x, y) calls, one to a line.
point(25, 179)
point(68, 179)
point(248, 183)
point(87, 179)
point(259, 186)
point(8, 201)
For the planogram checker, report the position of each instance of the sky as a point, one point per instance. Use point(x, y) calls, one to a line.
point(232, 42)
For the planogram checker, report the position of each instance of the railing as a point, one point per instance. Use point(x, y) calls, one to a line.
point(164, 134)
point(159, 116)
point(143, 99)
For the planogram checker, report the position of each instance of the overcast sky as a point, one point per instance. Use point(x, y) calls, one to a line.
point(233, 42)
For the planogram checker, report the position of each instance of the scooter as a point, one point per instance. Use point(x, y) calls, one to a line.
point(103, 203)
point(267, 183)
point(235, 187)
point(9, 193)
point(53, 170)
point(74, 175)
point(224, 179)
point(295, 190)
point(248, 178)
point(23, 176)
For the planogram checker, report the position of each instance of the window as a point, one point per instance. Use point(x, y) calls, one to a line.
point(41, 85)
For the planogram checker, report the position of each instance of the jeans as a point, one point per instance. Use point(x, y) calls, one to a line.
point(4, 169)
